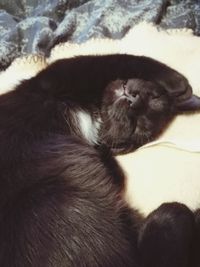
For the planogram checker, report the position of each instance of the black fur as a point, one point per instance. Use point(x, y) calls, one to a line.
point(61, 199)
point(171, 229)
point(144, 110)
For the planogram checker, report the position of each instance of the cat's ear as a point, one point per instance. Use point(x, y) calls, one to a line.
point(190, 104)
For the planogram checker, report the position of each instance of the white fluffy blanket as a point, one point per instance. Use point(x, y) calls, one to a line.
point(169, 168)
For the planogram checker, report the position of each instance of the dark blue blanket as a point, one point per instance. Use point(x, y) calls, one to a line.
point(35, 26)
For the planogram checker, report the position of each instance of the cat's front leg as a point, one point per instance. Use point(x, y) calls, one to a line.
point(175, 84)
point(84, 78)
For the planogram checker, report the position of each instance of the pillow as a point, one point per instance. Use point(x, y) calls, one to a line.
point(20, 69)
point(167, 169)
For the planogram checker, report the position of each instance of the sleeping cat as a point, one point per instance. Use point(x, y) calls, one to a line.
point(61, 191)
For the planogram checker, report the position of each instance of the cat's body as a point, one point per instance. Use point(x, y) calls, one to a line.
point(61, 191)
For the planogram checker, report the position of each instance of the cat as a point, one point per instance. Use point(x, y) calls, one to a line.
point(61, 190)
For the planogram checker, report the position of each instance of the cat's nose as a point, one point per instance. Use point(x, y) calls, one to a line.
point(130, 102)
point(133, 101)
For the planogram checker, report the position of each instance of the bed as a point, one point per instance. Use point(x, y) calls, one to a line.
point(35, 26)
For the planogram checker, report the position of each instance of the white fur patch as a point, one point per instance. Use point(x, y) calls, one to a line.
point(89, 128)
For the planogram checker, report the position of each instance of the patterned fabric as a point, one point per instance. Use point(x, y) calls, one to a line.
point(35, 26)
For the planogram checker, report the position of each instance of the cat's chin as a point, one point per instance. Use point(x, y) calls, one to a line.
point(136, 140)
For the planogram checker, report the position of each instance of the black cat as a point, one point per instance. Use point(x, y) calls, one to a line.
point(61, 191)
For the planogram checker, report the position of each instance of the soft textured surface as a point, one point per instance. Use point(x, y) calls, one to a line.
point(34, 26)
point(165, 170)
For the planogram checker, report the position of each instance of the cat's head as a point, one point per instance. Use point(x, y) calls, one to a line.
point(135, 112)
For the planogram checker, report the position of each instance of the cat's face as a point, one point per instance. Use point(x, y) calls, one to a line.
point(130, 114)
point(133, 113)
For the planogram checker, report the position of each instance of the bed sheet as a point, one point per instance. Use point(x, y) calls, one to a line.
point(35, 26)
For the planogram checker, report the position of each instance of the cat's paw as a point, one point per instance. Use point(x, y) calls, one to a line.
point(176, 85)
point(180, 92)
point(166, 236)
